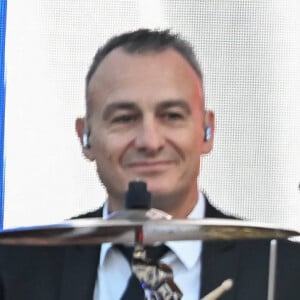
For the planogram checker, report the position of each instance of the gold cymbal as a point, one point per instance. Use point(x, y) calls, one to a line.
point(92, 231)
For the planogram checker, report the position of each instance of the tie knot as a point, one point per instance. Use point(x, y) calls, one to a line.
point(156, 252)
point(153, 252)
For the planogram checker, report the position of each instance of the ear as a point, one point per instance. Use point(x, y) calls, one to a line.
point(209, 121)
point(81, 129)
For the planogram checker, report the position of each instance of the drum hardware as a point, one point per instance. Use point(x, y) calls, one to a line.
point(94, 231)
point(138, 228)
point(272, 269)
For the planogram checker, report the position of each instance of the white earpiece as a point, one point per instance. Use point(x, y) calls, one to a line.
point(207, 133)
point(86, 140)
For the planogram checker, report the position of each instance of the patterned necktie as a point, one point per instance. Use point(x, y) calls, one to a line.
point(134, 291)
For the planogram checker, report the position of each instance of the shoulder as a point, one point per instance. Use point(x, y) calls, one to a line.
point(91, 214)
point(212, 212)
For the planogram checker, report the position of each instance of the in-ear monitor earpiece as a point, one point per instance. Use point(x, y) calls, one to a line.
point(207, 133)
point(86, 140)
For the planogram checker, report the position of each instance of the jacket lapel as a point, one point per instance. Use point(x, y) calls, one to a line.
point(219, 260)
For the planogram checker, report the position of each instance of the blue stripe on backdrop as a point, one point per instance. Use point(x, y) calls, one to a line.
point(3, 6)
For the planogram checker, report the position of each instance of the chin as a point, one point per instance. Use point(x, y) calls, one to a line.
point(161, 193)
point(163, 201)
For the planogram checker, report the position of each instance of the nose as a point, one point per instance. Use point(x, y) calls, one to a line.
point(149, 138)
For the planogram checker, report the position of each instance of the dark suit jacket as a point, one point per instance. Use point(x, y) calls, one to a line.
point(69, 273)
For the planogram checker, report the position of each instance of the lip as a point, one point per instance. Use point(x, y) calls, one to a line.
point(149, 166)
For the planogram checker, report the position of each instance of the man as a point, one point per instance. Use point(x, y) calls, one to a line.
point(146, 120)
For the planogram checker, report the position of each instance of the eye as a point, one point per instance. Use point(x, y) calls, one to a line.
point(124, 118)
point(173, 116)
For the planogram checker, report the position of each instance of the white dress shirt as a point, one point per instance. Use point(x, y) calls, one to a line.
point(184, 259)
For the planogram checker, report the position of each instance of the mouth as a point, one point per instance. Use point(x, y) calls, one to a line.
point(144, 167)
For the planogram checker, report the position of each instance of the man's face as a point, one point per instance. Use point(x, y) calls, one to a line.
point(146, 122)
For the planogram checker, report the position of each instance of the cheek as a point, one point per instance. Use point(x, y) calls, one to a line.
point(197, 140)
point(189, 142)
point(109, 149)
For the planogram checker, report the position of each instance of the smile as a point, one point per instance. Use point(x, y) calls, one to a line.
point(149, 166)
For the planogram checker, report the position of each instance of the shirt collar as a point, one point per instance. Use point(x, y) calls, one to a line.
point(188, 252)
point(105, 247)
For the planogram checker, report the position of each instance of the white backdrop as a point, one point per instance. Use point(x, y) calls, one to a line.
point(249, 51)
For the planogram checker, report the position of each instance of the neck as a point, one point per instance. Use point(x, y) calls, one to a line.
point(179, 206)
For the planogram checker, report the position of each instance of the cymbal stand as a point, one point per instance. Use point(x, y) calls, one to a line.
point(156, 278)
point(272, 269)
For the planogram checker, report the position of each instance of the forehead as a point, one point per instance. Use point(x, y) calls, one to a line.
point(132, 76)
